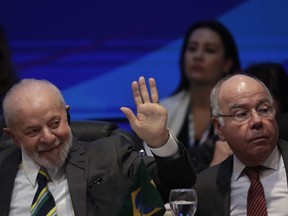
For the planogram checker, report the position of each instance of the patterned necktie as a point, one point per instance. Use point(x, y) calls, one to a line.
point(256, 203)
point(43, 202)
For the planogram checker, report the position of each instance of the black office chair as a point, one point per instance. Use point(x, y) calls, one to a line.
point(92, 130)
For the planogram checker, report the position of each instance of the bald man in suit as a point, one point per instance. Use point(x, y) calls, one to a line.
point(243, 115)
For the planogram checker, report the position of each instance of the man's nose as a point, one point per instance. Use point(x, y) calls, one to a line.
point(47, 136)
point(256, 120)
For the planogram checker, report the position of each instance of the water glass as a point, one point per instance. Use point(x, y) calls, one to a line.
point(183, 202)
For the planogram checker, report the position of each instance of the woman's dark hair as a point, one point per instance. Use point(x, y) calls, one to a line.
point(274, 76)
point(227, 39)
point(7, 74)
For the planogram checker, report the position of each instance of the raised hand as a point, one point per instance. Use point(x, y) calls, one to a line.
point(149, 123)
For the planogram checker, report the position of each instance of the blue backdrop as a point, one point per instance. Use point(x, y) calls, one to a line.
point(93, 50)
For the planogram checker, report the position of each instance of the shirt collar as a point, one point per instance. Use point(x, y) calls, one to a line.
point(272, 162)
point(31, 170)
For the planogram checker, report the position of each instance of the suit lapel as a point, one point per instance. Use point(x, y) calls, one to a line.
point(223, 181)
point(76, 169)
point(8, 168)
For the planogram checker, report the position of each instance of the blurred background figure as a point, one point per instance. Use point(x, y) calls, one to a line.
point(8, 75)
point(274, 76)
point(208, 53)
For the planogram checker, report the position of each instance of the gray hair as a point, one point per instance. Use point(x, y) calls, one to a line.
point(22, 90)
point(214, 100)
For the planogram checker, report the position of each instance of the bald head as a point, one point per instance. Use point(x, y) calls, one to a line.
point(234, 85)
point(29, 93)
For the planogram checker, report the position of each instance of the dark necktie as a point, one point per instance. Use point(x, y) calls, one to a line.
point(43, 202)
point(256, 203)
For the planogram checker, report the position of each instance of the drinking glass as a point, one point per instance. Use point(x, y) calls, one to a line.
point(183, 202)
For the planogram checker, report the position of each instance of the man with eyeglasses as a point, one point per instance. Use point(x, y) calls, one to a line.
point(243, 115)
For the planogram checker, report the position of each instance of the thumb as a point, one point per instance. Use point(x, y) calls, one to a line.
point(129, 114)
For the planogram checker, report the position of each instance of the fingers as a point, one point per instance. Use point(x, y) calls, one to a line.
point(136, 93)
point(143, 90)
point(153, 91)
point(140, 91)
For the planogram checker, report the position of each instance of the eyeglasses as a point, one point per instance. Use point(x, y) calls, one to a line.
point(266, 112)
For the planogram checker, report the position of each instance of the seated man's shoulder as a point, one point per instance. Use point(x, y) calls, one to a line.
point(7, 144)
point(208, 174)
point(7, 149)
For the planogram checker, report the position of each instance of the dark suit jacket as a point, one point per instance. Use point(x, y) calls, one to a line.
point(213, 186)
point(111, 162)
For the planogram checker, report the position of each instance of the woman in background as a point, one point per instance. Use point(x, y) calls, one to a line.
point(208, 53)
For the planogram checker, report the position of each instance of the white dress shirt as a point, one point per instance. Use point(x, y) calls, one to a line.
point(25, 187)
point(274, 181)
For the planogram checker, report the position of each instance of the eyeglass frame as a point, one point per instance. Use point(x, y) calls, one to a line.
point(249, 114)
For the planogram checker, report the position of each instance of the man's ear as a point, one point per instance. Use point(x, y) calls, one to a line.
point(9, 133)
point(218, 128)
point(68, 114)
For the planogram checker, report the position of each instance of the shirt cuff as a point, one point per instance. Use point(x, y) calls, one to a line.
point(170, 149)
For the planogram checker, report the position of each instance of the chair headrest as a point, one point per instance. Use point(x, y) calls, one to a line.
point(92, 130)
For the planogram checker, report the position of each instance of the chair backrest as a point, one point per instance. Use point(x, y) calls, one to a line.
point(93, 130)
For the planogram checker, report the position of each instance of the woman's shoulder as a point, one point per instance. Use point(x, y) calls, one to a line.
point(180, 96)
